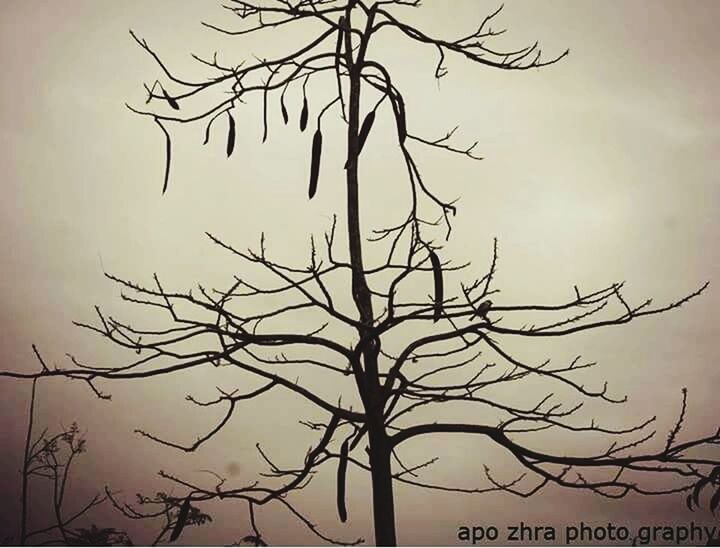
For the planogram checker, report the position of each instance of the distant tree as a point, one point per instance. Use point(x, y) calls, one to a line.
point(49, 459)
point(438, 337)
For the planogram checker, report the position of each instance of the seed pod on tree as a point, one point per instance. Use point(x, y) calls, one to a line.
point(283, 109)
point(304, 114)
point(438, 279)
point(363, 134)
point(315, 163)
point(338, 44)
point(399, 108)
point(365, 130)
point(181, 520)
point(231, 135)
point(341, 480)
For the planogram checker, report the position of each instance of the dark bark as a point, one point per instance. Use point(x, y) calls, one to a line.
point(382, 489)
point(373, 399)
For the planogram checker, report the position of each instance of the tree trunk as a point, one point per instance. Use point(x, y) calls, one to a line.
point(371, 392)
point(382, 486)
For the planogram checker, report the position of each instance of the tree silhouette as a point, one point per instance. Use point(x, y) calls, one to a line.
point(409, 349)
point(50, 458)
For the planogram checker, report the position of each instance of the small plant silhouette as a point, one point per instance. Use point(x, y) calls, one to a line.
point(50, 458)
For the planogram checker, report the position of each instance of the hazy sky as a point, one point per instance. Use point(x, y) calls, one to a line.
point(599, 169)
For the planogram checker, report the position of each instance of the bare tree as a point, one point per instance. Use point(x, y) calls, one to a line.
point(437, 362)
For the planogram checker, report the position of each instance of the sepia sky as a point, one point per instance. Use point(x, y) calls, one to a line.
point(601, 168)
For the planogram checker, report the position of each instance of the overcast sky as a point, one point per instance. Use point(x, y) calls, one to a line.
point(601, 168)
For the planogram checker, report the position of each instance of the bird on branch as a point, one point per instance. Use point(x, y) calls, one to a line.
point(483, 308)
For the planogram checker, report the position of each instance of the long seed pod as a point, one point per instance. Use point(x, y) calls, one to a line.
point(338, 59)
point(168, 154)
point(364, 132)
point(209, 125)
point(341, 479)
point(182, 520)
point(699, 486)
point(283, 109)
point(315, 163)
point(304, 115)
point(401, 122)
point(437, 276)
point(231, 134)
point(265, 115)
point(171, 101)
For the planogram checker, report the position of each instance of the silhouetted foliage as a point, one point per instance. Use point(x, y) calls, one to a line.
point(95, 536)
point(50, 459)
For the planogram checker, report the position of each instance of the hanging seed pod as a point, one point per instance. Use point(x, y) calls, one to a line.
point(304, 115)
point(699, 486)
point(171, 101)
point(231, 135)
point(315, 163)
point(400, 115)
point(365, 130)
point(437, 276)
point(210, 123)
point(283, 110)
point(168, 155)
point(265, 115)
point(341, 480)
point(182, 520)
